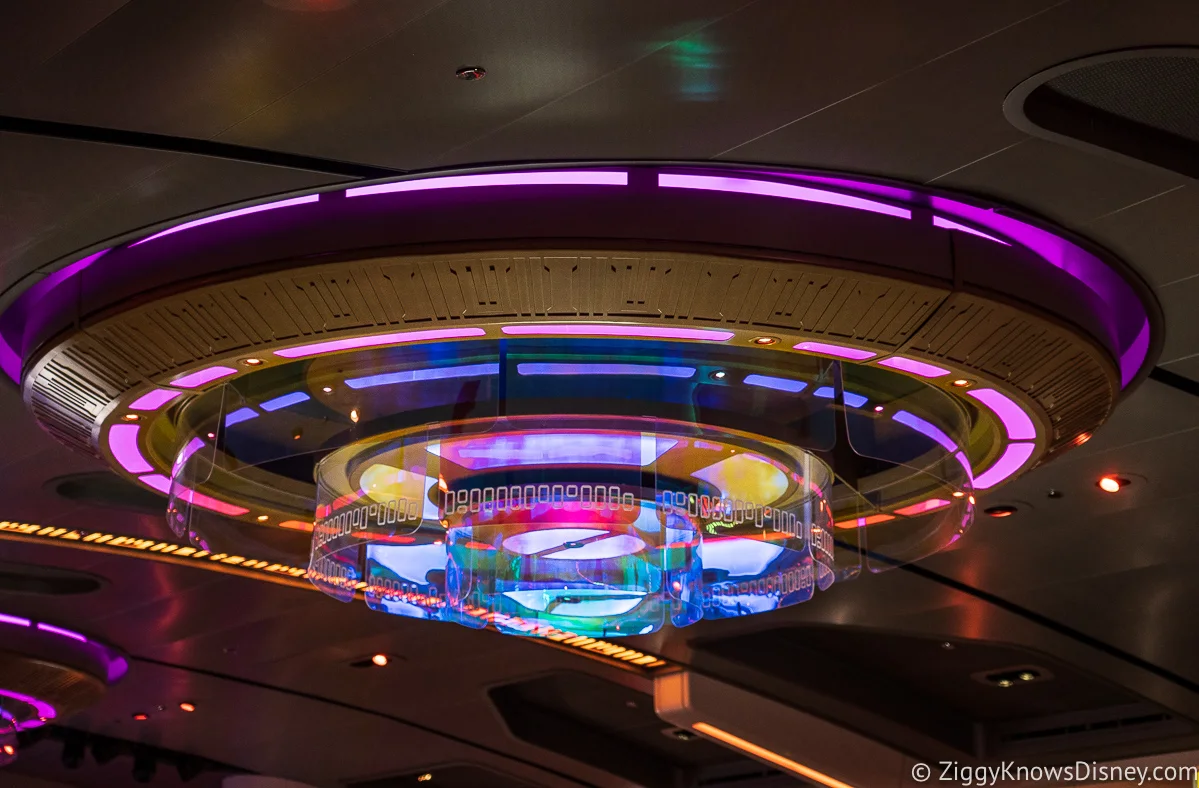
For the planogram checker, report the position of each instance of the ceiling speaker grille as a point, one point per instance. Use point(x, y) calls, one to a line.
point(1160, 92)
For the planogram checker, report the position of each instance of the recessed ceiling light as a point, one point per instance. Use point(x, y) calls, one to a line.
point(327, 389)
point(380, 660)
point(131, 417)
point(1112, 484)
point(765, 340)
point(878, 408)
point(252, 362)
point(188, 707)
point(961, 383)
point(262, 518)
point(1000, 511)
point(354, 415)
point(719, 374)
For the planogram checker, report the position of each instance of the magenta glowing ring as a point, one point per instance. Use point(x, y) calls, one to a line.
point(44, 711)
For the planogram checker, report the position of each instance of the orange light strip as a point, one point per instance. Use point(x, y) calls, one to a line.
point(764, 754)
point(297, 577)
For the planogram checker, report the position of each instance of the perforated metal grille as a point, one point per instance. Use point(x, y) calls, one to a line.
point(1160, 92)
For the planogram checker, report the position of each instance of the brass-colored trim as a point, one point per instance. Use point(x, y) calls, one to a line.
point(183, 555)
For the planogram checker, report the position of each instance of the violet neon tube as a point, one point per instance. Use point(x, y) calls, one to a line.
point(53, 630)
point(202, 376)
point(1012, 460)
point(773, 189)
point(1016, 422)
point(559, 178)
point(840, 351)
point(351, 343)
point(913, 367)
point(40, 707)
point(220, 217)
point(607, 330)
point(153, 400)
point(122, 442)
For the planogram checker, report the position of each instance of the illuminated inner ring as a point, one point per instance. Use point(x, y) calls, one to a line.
point(42, 712)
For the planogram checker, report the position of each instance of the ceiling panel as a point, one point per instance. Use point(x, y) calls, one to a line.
point(1064, 184)
point(62, 196)
point(931, 120)
point(398, 104)
point(32, 33)
point(739, 78)
point(1159, 233)
point(196, 67)
point(1182, 329)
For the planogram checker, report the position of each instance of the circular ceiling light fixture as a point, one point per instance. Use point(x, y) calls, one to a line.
point(1112, 483)
point(525, 436)
point(48, 672)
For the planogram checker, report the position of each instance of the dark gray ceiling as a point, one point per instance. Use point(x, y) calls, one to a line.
point(910, 89)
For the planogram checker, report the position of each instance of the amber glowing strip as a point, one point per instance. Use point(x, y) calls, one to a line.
point(749, 748)
point(297, 577)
